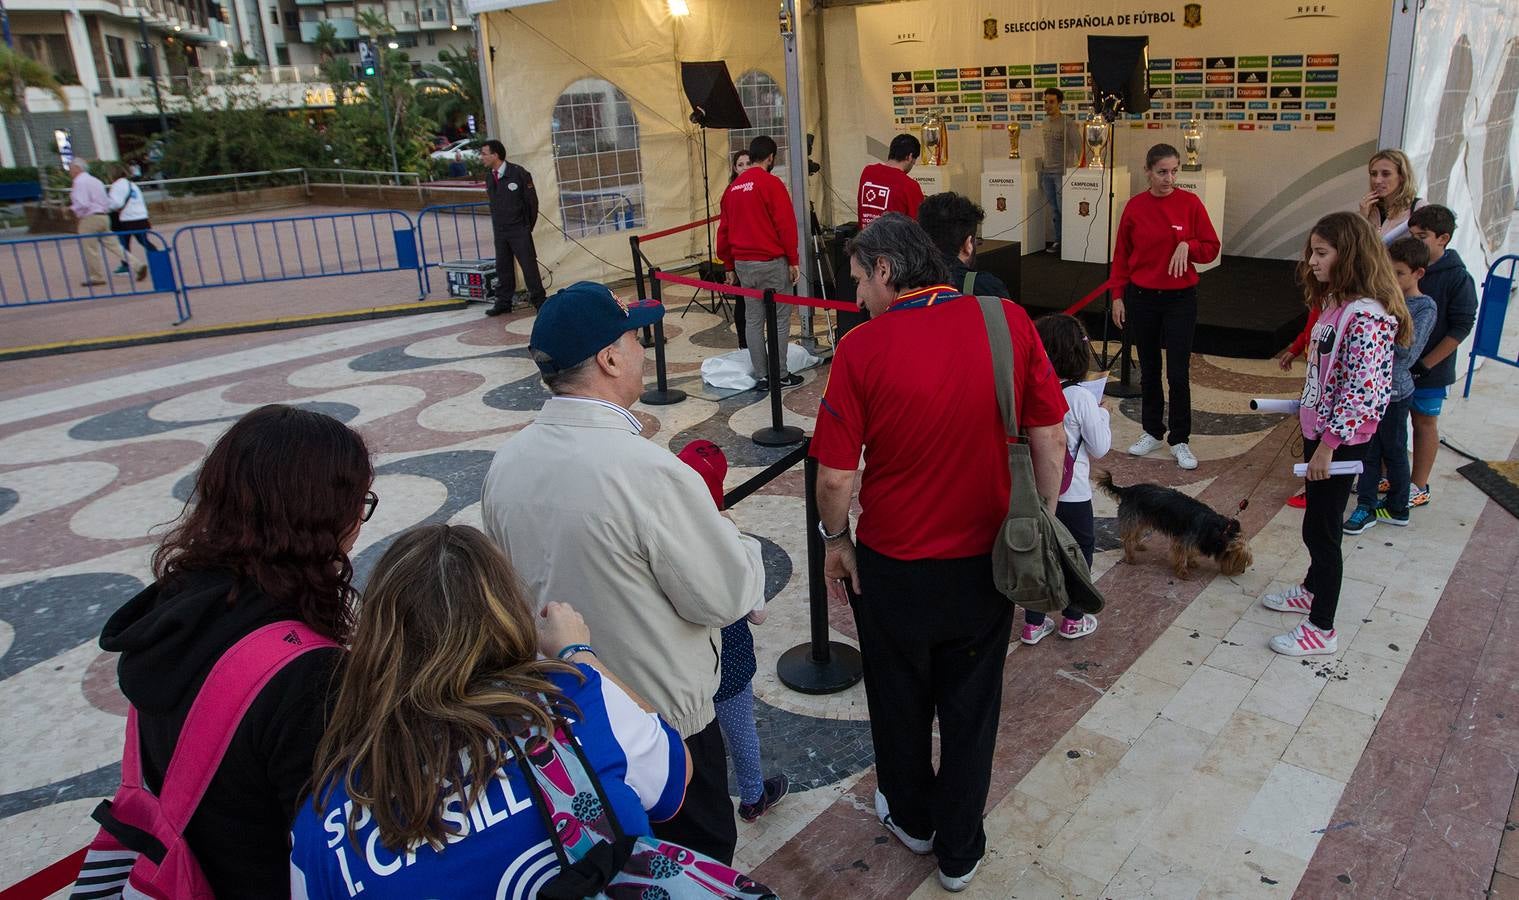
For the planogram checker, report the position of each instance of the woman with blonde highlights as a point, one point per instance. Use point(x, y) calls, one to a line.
point(1347, 277)
point(416, 783)
point(1390, 197)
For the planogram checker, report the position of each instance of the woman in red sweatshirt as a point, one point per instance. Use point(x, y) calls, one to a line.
point(1163, 232)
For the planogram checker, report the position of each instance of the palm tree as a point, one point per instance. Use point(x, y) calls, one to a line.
point(17, 73)
point(453, 90)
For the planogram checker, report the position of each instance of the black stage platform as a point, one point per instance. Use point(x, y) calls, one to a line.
point(1246, 307)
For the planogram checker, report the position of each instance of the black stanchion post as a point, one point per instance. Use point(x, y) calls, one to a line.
point(819, 666)
point(661, 394)
point(777, 434)
point(1124, 387)
point(647, 337)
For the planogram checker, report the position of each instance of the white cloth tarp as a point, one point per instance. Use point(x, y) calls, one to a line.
point(734, 371)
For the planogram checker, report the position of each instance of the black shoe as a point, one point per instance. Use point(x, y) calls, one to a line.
point(775, 789)
point(497, 309)
point(537, 302)
point(791, 380)
point(762, 385)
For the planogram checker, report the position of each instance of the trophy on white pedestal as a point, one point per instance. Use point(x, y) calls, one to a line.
point(1192, 141)
point(1014, 132)
point(1096, 132)
point(935, 140)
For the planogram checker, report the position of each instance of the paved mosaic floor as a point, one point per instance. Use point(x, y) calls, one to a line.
point(1168, 755)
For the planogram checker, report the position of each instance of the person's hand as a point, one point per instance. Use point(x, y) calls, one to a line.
point(1285, 358)
point(757, 616)
point(559, 626)
point(1318, 466)
point(1369, 203)
point(730, 277)
point(1178, 266)
point(1118, 315)
point(795, 273)
point(839, 564)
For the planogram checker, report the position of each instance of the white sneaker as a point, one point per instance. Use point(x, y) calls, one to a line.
point(1306, 640)
point(1184, 457)
point(920, 846)
point(1145, 445)
point(1296, 599)
point(958, 883)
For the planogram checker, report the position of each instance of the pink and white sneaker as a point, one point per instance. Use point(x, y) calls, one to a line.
point(1296, 599)
point(1306, 640)
point(1071, 629)
point(1033, 634)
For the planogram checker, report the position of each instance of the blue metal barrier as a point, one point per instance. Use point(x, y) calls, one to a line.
point(464, 224)
point(55, 269)
point(259, 251)
point(1490, 312)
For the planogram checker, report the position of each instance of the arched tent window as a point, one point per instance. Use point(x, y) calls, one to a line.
point(765, 103)
point(596, 159)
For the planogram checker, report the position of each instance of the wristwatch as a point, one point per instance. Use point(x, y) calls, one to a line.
point(842, 532)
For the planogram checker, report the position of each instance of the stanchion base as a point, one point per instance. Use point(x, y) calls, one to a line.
point(778, 437)
point(1121, 390)
point(805, 675)
point(657, 397)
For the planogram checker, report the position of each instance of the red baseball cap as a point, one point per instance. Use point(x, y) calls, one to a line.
point(710, 463)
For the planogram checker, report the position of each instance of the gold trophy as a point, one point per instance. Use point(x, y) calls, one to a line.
point(1192, 141)
point(935, 140)
point(1097, 139)
point(1014, 132)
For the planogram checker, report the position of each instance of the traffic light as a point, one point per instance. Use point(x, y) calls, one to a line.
point(366, 59)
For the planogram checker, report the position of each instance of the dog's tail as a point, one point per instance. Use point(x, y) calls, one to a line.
point(1105, 481)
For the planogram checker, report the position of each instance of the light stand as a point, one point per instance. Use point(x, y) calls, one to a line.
point(699, 118)
point(1110, 109)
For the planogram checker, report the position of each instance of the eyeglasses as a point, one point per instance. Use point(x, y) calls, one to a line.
point(371, 500)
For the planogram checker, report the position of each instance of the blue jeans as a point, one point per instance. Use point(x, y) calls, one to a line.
point(1049, 186)
point(1389, 447)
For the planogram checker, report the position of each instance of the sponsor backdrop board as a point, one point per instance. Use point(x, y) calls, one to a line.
point(1288, 93)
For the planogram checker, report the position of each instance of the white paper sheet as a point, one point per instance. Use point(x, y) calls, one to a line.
point(1343, 467)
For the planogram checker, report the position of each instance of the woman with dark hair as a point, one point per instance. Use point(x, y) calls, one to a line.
point(740, 163)
point(1163, 233)
point(265, 538)
point(129, 212)
point(451, 691)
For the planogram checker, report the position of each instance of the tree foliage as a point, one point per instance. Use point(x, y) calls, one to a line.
point(452, 93)
point(233, 130)
point(17, 73)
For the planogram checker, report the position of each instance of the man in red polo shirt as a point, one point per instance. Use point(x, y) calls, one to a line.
point(756, 239)
point(914, 388)
point(886, 187)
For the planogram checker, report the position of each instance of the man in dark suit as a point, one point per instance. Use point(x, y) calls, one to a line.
point(514, 212)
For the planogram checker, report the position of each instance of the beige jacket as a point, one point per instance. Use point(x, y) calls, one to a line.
point(595, 515)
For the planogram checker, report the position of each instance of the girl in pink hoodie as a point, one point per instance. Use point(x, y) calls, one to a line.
point(1348, 280)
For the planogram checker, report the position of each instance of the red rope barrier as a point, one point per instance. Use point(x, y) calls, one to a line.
point(1081, 304)
point(46, 882)
point(676, 230)
point(757, 294)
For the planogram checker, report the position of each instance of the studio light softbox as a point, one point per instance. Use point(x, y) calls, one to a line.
point(1120, 68)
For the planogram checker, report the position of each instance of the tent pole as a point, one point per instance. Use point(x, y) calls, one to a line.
point(796, 149)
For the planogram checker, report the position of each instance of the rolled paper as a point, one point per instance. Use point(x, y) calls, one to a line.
point(1343, 467)
point(1289, 407)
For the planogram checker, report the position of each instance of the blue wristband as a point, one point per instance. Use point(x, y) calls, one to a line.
point(573, 649)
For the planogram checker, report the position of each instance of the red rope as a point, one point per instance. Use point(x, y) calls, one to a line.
point(1081, 304)
point(757, 294)
point(46, 882)
point(676, 230)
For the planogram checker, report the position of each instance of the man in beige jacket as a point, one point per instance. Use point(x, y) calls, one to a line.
point(595, 515)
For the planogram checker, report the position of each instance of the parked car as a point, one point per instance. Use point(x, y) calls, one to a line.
point(459, 151)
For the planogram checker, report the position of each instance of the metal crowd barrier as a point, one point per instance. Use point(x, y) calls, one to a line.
point(55, 269)
point(260, 251)
point(1490, 314)
point(437, 251)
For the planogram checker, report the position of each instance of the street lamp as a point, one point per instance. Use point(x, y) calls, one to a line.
point(393, 45)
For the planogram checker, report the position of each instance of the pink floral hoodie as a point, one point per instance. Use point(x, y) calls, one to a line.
point(1349, 373)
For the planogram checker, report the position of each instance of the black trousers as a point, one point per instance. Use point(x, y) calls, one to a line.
point(705, 821)
point(933, 637)
point(1080, 521)
point(517, 246)
point(1323, 529)
point(1163, 320)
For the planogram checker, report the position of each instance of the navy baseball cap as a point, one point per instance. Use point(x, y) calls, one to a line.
point(575, 323)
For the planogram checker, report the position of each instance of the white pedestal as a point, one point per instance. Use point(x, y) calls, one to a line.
point(1210, 185)
point(934, 179)
point(1010, 196)
point(1084, 220)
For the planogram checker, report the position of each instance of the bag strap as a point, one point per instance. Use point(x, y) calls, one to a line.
point(234, 682)
point(541, 800)
point(968, 286)
point(1001, 340)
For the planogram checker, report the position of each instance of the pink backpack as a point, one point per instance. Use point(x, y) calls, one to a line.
point(140, 849)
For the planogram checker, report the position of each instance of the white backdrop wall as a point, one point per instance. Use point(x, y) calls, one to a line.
point(1459, 130)
point(637, 46)
point(1283, 174)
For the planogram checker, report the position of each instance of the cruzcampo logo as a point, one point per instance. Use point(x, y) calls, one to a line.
point(989, 29)
point(1192, 15)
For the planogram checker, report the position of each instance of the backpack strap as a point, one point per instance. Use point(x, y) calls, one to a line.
point(1001, 340)
point(234, 682)
point(969, 285)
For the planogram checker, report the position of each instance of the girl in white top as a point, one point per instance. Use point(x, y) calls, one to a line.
point(129, 213)
point(1087, 437)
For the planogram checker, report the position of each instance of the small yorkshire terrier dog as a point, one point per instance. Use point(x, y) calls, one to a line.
point(1194, 528)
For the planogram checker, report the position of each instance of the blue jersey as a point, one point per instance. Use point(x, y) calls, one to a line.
point(499, 847)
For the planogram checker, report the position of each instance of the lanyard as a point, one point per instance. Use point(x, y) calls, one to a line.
point(924, 297)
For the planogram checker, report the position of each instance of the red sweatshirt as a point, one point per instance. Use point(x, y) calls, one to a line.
point(758, 222)
point(886, 188)
point(1298, 346)
point(1148, 233)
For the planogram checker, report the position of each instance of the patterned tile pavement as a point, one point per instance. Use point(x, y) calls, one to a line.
point(1168, 755)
